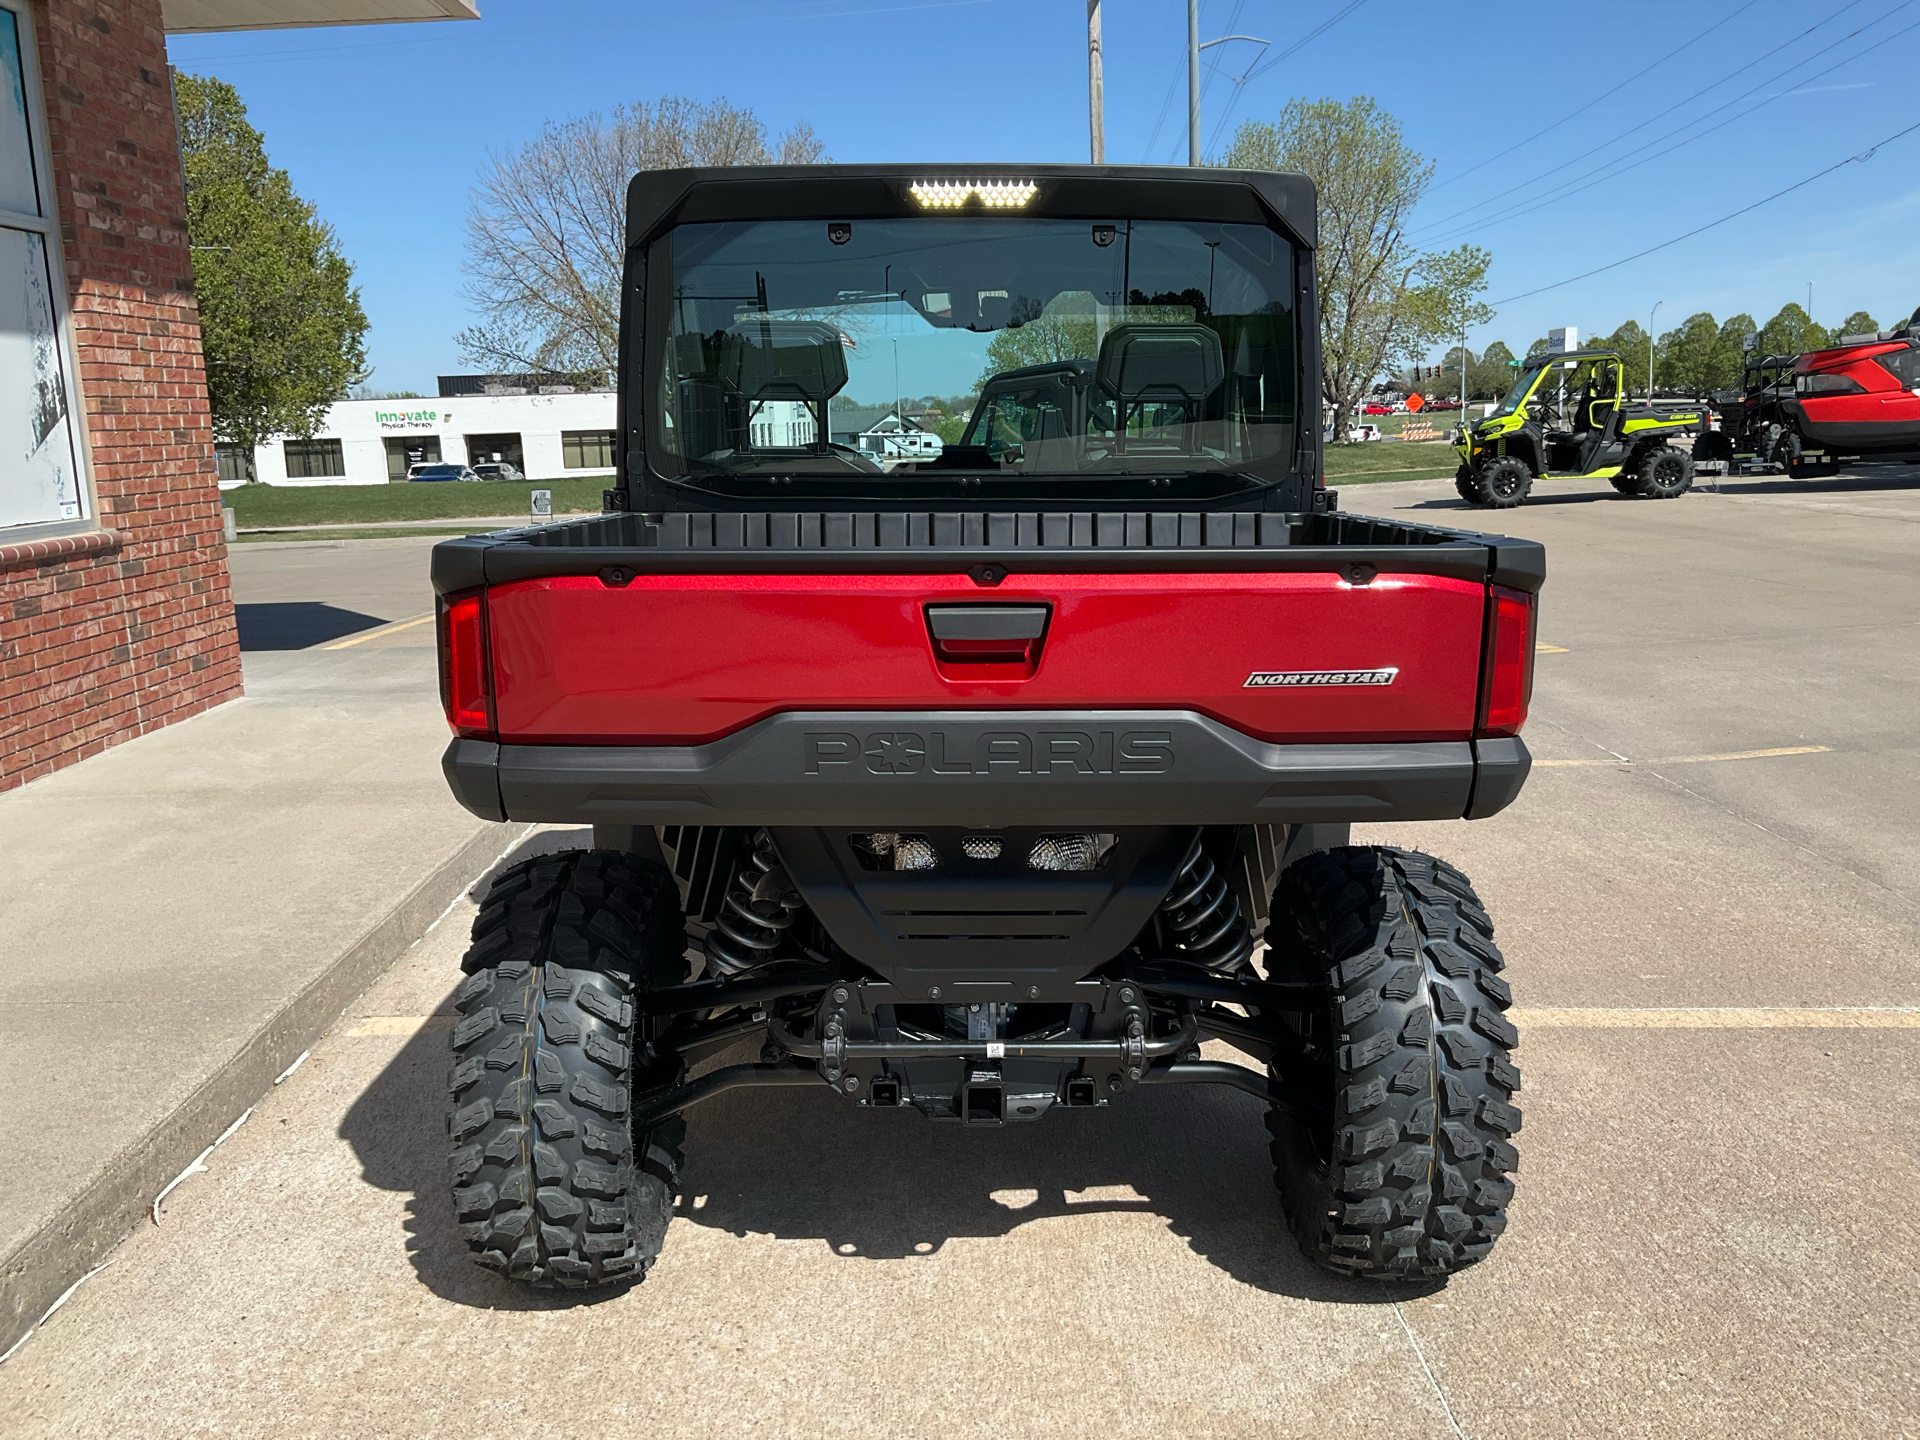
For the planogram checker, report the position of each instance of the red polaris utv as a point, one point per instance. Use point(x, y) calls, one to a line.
point(992, 779)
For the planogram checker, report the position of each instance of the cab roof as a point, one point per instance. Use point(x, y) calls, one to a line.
point(659, 198)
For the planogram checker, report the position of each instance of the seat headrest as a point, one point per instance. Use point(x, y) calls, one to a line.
point(1181, 363)
point(784, 359)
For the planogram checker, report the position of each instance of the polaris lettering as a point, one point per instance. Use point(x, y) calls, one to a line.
point(990, 752)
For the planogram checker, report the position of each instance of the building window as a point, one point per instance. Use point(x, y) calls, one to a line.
point(314, 459)
point(40, 478)
point(235, 463)
point(586, 449)
point(406, 451)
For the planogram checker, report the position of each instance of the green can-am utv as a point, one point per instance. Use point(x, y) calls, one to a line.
point(1568, 415)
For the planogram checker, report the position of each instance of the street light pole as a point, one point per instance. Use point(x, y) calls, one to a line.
point(1193, 82)
point(1650, 347)
point(1096, 85)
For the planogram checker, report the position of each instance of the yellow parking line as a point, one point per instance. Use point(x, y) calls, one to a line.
point(365, 635)
point(1545, 649)
point(1744, 755)
point(1835, 1017)
point(1696, 759)
point(370, 1025)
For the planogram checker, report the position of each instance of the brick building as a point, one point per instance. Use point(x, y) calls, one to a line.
point(115, 612)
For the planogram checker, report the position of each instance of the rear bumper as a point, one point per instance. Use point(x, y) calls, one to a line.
point(1006, 768)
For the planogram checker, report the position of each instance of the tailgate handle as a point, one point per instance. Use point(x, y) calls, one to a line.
point(987, 622)
point(987, 634)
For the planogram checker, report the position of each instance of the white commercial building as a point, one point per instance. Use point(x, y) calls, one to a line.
point(372, 442)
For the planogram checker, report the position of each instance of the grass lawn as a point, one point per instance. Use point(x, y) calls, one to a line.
point(1390, 460)
point(276, 505)
point(407, 500)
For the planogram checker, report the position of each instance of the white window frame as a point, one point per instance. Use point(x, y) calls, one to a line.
point(47, 226)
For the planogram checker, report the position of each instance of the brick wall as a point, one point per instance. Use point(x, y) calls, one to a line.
point(115, 635)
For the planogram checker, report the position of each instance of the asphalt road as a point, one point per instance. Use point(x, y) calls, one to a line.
point(1707, 894)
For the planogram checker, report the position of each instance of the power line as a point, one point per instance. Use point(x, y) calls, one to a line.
point(1859, 159)
point(1607, 170)
point(1226, 112)
point(1179, 71)
point(1791, 40)
point(1748, 5)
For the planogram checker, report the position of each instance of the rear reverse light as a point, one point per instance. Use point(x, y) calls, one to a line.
point(1507, 683)
point(465, 693)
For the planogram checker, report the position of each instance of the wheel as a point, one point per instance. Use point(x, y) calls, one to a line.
point(1463, 483)
point(1627, 482)
point(1406, 1173)
point(1786, 448)
point(1666, 473)
point(1501, 483)
point(550, 1185)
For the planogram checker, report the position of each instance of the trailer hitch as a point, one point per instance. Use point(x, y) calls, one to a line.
point(836, 1049)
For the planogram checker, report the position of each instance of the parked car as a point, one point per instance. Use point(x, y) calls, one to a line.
point(440, 472)
point(498, 470)
point(1453, 404)
point(1376, 407)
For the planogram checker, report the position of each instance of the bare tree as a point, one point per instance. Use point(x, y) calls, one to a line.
point(546, 227)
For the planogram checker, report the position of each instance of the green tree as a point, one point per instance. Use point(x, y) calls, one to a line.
point(1689, 355)
point(1631, 344)
point(1732, 353)
point(1040, 335)
point(1382, 301)
point(1492, 375)
point(1792, 332)
point(280, 318)
point(1860, 323)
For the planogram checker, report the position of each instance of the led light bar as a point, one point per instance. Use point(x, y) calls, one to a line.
point(952, 194)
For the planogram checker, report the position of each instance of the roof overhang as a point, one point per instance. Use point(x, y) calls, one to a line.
point(190, 17)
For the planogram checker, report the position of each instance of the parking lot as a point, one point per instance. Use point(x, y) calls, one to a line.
point(1707, 894)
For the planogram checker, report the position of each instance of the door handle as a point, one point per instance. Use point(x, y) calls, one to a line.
point(987, 634)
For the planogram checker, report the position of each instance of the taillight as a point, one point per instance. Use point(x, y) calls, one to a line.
point(465, 693)
point(1507, 683)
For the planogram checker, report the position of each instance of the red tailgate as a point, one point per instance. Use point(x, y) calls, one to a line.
point(686, 659)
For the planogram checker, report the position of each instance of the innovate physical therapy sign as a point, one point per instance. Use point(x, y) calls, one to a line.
point(424, 419)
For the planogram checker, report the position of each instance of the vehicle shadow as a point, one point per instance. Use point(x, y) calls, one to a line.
point(1863, 478)
point(892, 1185)
point(296, 624)
point(1866, 477)
point(1532, 502)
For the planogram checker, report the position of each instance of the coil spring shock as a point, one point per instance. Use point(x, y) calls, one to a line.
point(755, 915)
point(1202, 916)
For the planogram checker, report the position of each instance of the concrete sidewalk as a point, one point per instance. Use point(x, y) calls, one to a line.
point(185, 914)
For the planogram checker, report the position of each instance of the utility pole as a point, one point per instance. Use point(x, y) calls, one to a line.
point(1193, 82)
point(1650, 347)
point(1096, 85)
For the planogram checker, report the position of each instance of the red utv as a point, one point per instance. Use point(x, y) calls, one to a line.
point(1862, 398)
point(991, 782)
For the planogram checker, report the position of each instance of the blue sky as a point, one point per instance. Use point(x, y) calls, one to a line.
point(385, 127)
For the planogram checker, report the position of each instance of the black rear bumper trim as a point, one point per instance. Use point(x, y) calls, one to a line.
point(994, 768)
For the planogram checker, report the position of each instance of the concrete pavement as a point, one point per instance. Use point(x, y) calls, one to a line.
point(1708, 888)
point(185, 913)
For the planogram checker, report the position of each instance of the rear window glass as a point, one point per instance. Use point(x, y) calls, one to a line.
point(984, 343)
